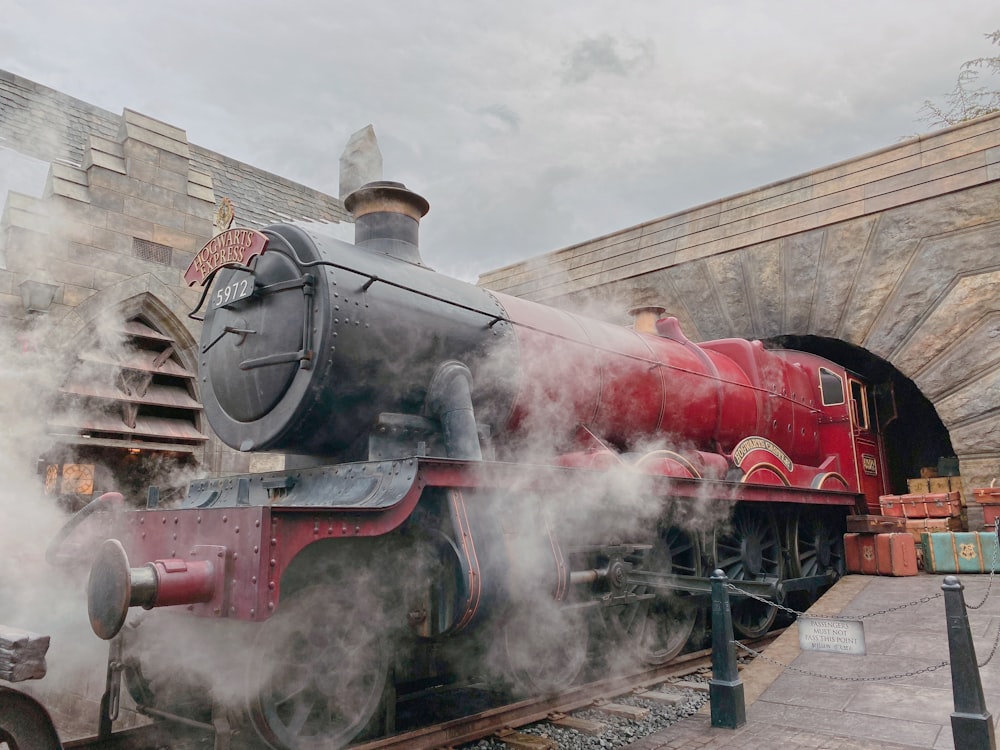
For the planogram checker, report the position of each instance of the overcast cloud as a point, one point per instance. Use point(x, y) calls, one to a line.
point(529, 126)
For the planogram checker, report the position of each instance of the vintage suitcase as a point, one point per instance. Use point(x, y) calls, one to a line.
point(991, 514)
point(881, 554)
point(961, 552)
point(938, 505)
point(948, 466)
point(918, 486)
point(875, 524)
point(859, 553)
point(986, 495)
point(917, 526)
point(939, 485)
point(896, 554)
point(989, 498)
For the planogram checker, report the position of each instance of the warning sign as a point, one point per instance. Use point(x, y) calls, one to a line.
point(837, 636)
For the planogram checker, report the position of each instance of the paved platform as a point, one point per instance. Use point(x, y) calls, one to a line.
point(796, 711)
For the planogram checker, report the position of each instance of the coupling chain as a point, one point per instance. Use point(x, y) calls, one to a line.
point(887, 610)
point(809, 673)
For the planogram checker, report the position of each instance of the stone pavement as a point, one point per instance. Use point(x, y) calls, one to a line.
point(794, 711)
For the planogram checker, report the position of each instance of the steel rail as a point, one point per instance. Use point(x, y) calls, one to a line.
point(532, 710)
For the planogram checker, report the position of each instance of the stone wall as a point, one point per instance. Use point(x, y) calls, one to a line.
point(51, 126)
point(127, 203)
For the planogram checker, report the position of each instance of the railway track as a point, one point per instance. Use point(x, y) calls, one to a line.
point(496, 721)
point(501, 719)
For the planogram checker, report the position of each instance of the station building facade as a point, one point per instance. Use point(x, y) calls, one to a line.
point(92, 293)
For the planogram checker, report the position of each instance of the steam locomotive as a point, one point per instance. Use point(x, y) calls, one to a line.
point(473, 484)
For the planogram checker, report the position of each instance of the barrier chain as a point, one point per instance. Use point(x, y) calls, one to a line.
point(989, 584)
point(797, 613)
point(971, 722)
point(760, 655)
point(806, 615)
point(996, 642)
point(922, 600)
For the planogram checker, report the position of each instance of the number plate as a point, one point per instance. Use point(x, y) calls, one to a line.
point(869, 464)
point(240, 287)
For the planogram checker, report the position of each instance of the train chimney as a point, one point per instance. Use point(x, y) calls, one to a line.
point(387, 219)
point(644, 317)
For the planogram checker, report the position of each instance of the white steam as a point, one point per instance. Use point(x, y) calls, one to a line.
point(34, 595)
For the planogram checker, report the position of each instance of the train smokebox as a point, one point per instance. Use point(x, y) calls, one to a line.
point(387, 219)
point(304, 352)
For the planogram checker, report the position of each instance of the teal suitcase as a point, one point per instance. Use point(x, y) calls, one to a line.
point(960, 552)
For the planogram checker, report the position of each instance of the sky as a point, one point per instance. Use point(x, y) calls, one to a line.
point(529, 126)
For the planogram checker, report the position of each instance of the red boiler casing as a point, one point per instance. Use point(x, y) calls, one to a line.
point(626, 386)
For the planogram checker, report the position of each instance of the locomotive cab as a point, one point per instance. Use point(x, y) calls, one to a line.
point(872, 408)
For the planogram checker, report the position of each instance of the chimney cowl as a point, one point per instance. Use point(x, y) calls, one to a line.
point(644, 317)
point(387, 219)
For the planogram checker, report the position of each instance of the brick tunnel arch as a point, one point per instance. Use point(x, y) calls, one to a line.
point(916, 438)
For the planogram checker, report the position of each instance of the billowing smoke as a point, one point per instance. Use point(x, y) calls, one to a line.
point(614, 504)
point(43, 585)
point(35, 595)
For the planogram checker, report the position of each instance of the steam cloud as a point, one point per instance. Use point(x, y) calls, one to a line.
point(34, 595)
point(35, 363)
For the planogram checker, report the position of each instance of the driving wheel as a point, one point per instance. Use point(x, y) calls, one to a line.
point(750, 550)
point(816, 542)
point(658, 628)
point(318, 671)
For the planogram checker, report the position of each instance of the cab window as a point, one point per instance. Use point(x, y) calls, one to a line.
point(859, 405)
point(831, 387)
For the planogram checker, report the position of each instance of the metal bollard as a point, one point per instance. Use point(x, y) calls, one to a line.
point(971, 723)
point(725, 689)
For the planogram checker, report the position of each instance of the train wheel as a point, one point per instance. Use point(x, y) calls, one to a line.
point(817, 544)
point(750, 550)
point(171, 662)
point(24, 724)
point(545, 647)
point(657, 629)
point(318, 672)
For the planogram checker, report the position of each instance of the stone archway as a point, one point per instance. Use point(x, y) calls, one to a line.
point(895, 253)
point(914, 288)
